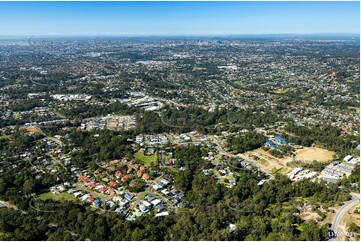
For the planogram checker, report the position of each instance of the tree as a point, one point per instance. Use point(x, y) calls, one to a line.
point(353, 228)
point(29, 187)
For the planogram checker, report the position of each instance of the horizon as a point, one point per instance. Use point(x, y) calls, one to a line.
point(281, 35)
point(137, 19)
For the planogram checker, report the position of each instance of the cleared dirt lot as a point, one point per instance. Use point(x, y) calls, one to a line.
point(113, 124)
point(314, 153)
point(268, 162)
point(30, 129)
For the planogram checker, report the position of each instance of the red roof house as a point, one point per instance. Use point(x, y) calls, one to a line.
point(90, 199)
point(103, 189)
point(139, 173)
point(125, 178)
point(113, 183)
point(84, 178)
point(146, 176)
point(110, 191)
point(118, 174)
point(93, 185)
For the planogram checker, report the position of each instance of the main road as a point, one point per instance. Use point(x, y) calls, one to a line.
point(342, 212)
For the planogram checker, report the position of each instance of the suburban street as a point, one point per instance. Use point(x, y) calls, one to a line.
point(222, 152)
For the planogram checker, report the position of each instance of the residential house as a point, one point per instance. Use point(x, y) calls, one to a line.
point(162, 214)
point(155, 202)
point(160, 207)
point(145, 177)
point(96, 203)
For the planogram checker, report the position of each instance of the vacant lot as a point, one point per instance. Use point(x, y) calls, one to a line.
point(113, 124)
point(59, 197)
point(145, 159)
point(267, 162)
point(356, 109)
point(31, 129)
point(281, 91)
point(196, 68)
point(314, 153)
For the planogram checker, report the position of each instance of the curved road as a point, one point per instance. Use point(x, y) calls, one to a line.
point(342, 211)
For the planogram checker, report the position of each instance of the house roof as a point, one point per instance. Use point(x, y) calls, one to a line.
point(103, 189)
point(84, 178)
point(162, 214)
point(139, 173)
point(147, 204)
point(124, 178)
point(146, 176)
point(160, 207)
point(118, 174)
point(156, 202)
point(128, 195)
point(113, 183)
point(280, 140)
point(93, 185)
point(149, 198)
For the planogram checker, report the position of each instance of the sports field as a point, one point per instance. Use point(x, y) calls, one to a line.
point(314, 153)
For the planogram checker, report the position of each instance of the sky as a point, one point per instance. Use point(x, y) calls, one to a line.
point(177, 18)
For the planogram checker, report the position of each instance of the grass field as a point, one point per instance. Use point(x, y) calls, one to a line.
point(196, 68)
point(59, 197)
point(274, 171)
point(357, 109)
point(280, 91)
point(145, 159)
point(314, 153)
point(239, 83)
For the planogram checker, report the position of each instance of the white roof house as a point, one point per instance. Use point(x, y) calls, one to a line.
point(348, 158)
point(147, 204)
point(156, 202)
point(162, 214)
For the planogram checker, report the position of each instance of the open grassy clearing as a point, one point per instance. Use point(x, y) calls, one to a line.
point(145, 159)
point(59, 197)
point(314, 153)
point(281, 91)
point(357, 109)
point(196, 68)
point(240, 84)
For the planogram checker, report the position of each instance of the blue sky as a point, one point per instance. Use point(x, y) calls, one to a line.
point(177, 18)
